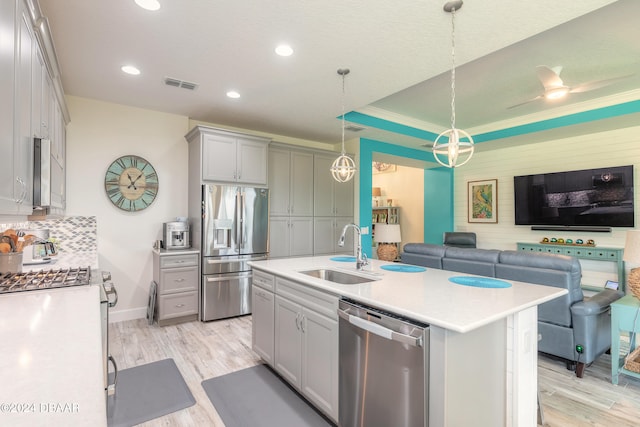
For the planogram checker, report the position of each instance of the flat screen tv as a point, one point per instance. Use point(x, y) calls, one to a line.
point(582, 198)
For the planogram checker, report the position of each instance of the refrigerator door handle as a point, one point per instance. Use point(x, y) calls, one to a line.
point(242, 224)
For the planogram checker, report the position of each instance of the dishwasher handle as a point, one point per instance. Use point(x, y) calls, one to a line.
point(380, 330)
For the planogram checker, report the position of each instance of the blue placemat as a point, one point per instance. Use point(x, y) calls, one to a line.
point(343, 258)
point(479, 282)
point(403, 268)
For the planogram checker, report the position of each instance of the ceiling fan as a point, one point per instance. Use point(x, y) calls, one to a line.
point(554, 87)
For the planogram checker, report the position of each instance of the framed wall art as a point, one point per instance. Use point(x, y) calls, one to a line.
point(483, 201)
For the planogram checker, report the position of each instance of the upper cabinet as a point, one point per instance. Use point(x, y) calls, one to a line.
point(31, 106)
point(290, 182)
point(331, 198)
point(223, 156)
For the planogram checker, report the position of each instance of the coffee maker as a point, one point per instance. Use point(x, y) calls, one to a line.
point(176, 235)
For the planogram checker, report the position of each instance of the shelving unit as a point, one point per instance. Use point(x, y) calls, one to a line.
point(583, 252)
point(382, 215)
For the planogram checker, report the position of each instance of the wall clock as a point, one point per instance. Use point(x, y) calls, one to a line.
point(131, 183)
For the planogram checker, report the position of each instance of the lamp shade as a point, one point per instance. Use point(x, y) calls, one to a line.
point(375, 192)
point(631, 247)
point(388, 233)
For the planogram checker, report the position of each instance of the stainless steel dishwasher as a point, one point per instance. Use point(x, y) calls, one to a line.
point(384, 368)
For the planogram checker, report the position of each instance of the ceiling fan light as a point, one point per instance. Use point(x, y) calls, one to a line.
point(556, 92)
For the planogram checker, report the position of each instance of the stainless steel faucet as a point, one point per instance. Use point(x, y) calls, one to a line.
point(361, 257)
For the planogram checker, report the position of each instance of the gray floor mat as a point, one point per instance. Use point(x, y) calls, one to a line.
point(146, 392)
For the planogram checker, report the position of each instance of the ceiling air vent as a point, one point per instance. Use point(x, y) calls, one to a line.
point(353, 128)
point(180, 83)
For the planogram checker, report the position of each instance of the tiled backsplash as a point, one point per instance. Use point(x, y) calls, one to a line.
point(76, 238)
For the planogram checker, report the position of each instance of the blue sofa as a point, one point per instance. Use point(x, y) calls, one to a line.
point(565, 323)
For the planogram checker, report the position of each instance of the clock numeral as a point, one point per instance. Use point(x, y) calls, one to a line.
point(121, 163)
point(151, 177)
point(115, 174)
point(120, 201)
point(113, 191)
point(134, 162)
point(150, 193)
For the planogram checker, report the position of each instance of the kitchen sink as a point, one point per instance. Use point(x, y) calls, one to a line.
point(336, 276)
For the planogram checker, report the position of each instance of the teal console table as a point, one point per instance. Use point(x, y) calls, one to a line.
point(595, 253)
point(624, 318)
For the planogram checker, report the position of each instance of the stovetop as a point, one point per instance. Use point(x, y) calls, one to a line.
point(44, 279)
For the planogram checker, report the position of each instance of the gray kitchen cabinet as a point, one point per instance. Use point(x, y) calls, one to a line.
point(330, 197)
point(290, 236)
point(27, 91)
point(306, 343)
point(290, 182)
point(326, 233)
point(263, 316)
point(176, 274)
point(223, 156)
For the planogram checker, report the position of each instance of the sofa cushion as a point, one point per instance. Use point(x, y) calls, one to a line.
point(471, 261)
point(559, 271)
point(424, 254)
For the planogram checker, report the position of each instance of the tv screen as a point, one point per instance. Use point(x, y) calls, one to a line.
point(591, 197)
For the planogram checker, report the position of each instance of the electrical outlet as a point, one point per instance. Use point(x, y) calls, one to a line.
point(364, 230)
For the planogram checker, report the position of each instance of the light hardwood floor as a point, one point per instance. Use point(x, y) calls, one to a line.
point(206, 350)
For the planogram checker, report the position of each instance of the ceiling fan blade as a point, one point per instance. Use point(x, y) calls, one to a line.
point(549, 77)
point(525, 102)
point(597, 84)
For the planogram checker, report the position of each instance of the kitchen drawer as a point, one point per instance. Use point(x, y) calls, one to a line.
point(264, 280)
point(174, 280)
point(321, 302)
point(177, 305)
point(171, 261)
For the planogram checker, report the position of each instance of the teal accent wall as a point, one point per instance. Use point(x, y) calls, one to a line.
point(438, 203)
point(438, 184)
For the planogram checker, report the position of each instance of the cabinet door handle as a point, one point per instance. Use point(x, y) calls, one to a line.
point(298, 321)
point(179, 305)
point(302, 323)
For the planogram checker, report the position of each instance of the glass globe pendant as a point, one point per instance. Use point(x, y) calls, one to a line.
point(343, 168)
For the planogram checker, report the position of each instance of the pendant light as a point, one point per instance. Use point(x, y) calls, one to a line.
point(343, 168)
point(453, 147)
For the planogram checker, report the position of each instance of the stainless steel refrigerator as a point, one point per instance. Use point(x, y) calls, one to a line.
point(235, 230)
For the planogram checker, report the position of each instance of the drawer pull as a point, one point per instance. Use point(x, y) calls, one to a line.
point(179, 280)
point(179, 305)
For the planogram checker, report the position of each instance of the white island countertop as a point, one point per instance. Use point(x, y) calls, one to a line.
point(51, 368)
point(425, 296)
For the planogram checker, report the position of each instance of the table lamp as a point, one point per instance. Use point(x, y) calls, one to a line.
point(376, 193)
point(387, 236)
point(632, 255)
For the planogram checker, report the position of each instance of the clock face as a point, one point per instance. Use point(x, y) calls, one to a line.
point(131, 183)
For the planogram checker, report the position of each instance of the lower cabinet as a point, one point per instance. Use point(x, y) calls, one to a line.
point(295, 331)
point(306, 343)
point(176, 274)
point(263, 315)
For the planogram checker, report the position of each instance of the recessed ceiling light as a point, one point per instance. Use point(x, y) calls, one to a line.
point(233, 94)
point(148, 4)
point(284, 50)
point(130, 69)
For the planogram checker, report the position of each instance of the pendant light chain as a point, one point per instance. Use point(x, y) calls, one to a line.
point(453, 147)
point(453, 68)
point(343, 150)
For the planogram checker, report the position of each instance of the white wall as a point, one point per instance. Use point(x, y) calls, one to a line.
point(613, 148)
point(405, 187)
point(99, 133)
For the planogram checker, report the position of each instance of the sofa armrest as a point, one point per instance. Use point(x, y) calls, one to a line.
point(597, 304)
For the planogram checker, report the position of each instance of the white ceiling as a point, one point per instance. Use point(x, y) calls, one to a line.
point(399, 54)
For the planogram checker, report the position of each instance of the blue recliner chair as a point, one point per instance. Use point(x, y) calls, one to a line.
point(573, 328)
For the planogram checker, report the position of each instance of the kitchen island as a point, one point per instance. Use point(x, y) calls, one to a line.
point(51, 368)
point(482, 341)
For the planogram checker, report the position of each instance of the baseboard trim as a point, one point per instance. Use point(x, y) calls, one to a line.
point(130, 314)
